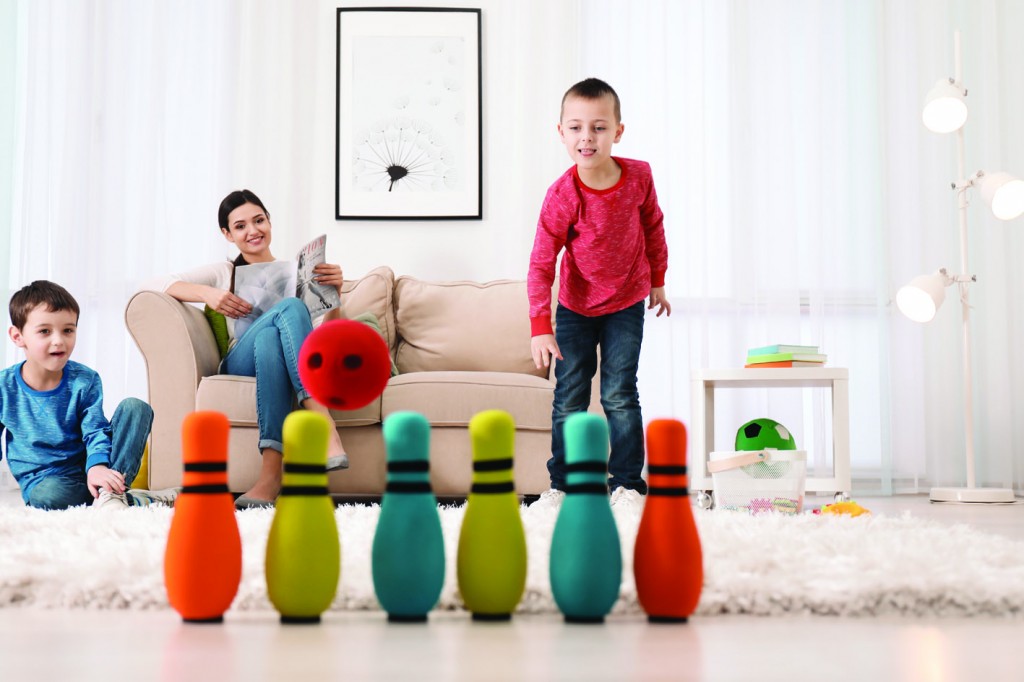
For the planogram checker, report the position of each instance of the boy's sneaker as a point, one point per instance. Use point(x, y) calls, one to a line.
point(549, 499)
point(627, 497)
point(144, 498)
point(109, 500)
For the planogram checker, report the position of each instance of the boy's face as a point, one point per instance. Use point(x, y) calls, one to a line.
point(48, 337)
point(588, 130)
point(249, 230)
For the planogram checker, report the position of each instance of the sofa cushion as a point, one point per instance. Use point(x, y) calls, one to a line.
point(235, 396)
point(463, 326)
point(453, 398)
point(372, 293)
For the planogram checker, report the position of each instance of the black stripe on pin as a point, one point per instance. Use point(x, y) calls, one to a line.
point(663, 470)
point(295, 468)
point(492, 464)
point(681, 491)
point(408, 487)
point(587, 489)
point(205, 489)
point(203, 467)
point(307, 490)
point(492, 488)
point(412, 466)
point(586, 467)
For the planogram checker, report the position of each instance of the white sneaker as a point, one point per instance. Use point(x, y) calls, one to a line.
point(144, 498)
point(627, 497)
point(549, 499)
point(109, 500)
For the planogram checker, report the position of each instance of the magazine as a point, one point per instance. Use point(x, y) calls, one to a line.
point(265, 284)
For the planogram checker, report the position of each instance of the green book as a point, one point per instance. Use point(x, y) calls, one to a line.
point(783, 357)
point(782, 348)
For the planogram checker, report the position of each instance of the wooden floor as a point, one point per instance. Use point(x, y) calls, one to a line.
point(104, 645)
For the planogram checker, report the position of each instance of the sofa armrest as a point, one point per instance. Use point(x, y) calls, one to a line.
point(178, 348)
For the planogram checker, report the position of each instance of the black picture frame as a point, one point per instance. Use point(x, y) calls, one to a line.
point(408, 115)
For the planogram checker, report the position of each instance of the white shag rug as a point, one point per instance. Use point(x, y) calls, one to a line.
point(764, 565)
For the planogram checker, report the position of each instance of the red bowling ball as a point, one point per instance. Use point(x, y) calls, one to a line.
point(344, 364)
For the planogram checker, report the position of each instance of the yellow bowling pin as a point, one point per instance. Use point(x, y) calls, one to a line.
point(303, 561)
point(492, 544)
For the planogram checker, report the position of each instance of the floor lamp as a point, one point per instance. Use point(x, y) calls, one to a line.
point(945, 111)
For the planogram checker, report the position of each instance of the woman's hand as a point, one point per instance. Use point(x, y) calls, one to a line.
point(329, 274)
point(226, 303)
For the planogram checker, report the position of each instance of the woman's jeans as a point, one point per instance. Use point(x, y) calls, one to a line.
point(269, 351)
point(619, 335)
point(128, 432)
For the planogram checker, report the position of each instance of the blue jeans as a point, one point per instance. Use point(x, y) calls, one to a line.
point(128, 432)
point(269, 351)
point(619, 335)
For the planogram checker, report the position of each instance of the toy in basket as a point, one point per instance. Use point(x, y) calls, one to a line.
point(765, 473)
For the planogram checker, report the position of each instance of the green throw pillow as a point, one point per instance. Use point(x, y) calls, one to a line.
point(370, 320)
point(219, 325)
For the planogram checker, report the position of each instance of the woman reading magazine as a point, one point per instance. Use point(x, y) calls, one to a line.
point(267, 348)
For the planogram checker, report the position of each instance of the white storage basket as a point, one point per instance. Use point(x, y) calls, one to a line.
point(758, 481)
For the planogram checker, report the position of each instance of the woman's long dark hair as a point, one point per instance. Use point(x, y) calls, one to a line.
point(239, 197)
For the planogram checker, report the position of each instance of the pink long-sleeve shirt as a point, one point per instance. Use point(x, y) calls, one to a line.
point(614, 241)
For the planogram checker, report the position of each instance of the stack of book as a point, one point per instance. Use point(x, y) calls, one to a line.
point(781, 355)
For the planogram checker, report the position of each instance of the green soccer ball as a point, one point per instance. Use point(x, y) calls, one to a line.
point(762, 434)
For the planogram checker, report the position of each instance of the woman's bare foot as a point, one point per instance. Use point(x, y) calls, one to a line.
point(268, 484)
point(334, 446)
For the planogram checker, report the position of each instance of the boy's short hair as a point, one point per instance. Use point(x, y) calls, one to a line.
point(592, 88)
point(41, 292)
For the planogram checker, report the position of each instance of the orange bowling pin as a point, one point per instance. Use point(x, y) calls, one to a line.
point(203, 561)
point(667, 560)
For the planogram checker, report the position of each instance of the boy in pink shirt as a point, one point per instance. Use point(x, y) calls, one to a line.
point(604, 212)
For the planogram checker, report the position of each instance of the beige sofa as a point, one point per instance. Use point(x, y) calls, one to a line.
point(460, 348)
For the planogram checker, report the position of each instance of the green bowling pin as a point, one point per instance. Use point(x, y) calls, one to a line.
point(492, 543)
point(303, 551)
point(408, 546)
point(586, 558)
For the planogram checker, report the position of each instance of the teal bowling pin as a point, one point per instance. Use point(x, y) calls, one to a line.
point(492, 543)
point(586, 557)
point(408, 545)
point(303, 561)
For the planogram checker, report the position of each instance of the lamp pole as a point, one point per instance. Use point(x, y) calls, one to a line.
point(971, 493)
point(963, 286)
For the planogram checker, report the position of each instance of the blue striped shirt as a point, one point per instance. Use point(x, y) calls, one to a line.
point(61, 431)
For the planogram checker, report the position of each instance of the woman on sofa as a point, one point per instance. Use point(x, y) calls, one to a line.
point(268, 349)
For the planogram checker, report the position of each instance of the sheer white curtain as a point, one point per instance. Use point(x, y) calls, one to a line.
point(123, 149)
point(801, 191)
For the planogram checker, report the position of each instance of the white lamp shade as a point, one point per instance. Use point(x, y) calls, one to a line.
point(920, 299)
point(944, 108)
point(1003, 192)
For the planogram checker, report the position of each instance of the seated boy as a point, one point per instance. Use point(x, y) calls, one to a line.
point(60, 447)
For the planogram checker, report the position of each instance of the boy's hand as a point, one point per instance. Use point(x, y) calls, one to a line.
point(102, 476)
point(226, 303)
point(543, 347)
point(660, 300)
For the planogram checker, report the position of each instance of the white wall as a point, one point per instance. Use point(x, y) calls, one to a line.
point(285, 141)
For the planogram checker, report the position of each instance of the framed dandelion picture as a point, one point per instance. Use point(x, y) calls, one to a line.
point(408, 114)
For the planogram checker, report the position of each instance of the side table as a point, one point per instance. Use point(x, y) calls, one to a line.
point(703, 385)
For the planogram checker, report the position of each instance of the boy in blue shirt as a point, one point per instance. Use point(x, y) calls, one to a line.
point(60, 447)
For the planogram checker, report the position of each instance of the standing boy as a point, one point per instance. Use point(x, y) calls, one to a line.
point(61, 449)
point(604, 212)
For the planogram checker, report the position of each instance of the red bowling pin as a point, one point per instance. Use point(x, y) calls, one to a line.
point(667, 560)
point(203, 561)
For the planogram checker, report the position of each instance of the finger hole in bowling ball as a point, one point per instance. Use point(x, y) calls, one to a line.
point(315, 361)
point(353, 361)
point(336, 402)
